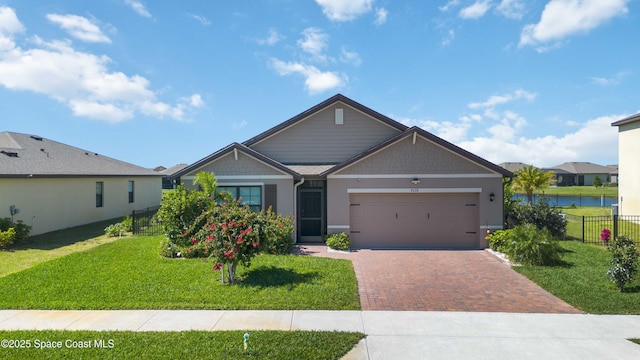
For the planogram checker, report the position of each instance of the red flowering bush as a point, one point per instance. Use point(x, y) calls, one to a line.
point(605, 235)
point(232, 234)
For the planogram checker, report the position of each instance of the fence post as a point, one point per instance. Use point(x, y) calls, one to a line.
point(615, 226)
point(582, 228)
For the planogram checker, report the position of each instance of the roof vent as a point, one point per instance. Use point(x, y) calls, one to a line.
point(9, 153)
point(339, 117)
point(36, 137)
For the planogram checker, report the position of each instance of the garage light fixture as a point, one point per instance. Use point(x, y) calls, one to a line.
point(415, 181)
point(492, 197)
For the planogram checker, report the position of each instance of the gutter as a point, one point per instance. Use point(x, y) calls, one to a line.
point(295, 208)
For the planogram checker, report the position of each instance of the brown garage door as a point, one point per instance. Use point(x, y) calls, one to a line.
point(417, 221)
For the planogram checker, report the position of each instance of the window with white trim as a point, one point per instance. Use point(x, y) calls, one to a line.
point(250, 195)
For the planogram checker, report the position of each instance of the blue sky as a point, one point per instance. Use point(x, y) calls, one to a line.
point(161, 83)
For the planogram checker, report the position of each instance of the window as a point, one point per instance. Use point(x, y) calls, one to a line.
point(99, 194)
point(130, 191)
point(250, 195)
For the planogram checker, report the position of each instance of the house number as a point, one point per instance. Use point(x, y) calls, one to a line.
point(415, 190)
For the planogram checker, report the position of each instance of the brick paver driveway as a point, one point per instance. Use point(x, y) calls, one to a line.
point(442, 281)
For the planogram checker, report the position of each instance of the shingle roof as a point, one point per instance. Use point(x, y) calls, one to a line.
point(582, 168)
point(23, 155)
point(513, 166)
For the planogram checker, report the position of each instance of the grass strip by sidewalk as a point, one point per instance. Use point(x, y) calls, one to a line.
point(582, 281)
point(180, 345)
point(129, 274)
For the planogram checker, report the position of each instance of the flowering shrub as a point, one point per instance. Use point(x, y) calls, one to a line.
point(179, 211)
point(605, 235)
point(624, 261)
point(231, 234)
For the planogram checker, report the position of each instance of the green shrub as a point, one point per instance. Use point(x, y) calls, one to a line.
point(624, 261)
point(541, 215)
point(7, 237)
point(178, 212)
point(528, 245)
point(113, 230)
point(499, 238)
point(277, 236)
point(21, 229)
point(339, 241)
point(127, 223)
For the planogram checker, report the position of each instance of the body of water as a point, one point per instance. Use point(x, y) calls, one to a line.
point(568, 200)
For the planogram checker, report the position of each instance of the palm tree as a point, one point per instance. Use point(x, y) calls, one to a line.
point(207, 183)
point(530, 178)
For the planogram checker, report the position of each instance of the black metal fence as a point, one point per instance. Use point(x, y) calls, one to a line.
point(588, 228)
point(144, 222)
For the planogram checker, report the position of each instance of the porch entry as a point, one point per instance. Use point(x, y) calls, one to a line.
point(311, 211)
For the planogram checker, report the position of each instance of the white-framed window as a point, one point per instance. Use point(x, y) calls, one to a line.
point(99, 194)
point(248, 194)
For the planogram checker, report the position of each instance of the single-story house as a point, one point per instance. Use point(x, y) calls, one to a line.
point(580, 173)
point(513, 166)
point(51, 186)
point(629, 167)
point(167, 174)
point(343, 167)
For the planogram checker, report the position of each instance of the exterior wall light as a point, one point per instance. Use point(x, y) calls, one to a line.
point(492, 197)
point(415, 181)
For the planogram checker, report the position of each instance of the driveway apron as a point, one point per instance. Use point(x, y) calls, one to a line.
point(423, 280)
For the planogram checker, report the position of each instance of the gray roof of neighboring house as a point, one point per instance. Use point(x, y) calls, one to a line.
point(582, 168)
point(513, 166)
point(170, 171)
point(627, 120)
point(24, 155)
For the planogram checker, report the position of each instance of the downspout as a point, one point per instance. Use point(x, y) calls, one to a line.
point(295, 208)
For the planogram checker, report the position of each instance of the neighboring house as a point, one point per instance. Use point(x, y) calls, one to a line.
point(580, 173)
point(342, 167)
point(629, 166)
point(56, 186)
point(613, 173)
point(167, 174)
point(513, 166)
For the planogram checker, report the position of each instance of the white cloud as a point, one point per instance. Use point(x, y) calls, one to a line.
point(344, 10)
point(563, 18)
point(273, 38)
point(475, 10)
point(314, 42)
point(201, 19)
point(138, 7)
point(316, 81)
point(381, 16)
point(82, 81)
point(614, 80)
point(79, 27)
point(513, 9)
point(9, 26)
point(448, 38)
point(350, 57)
point(503, 99)
point(448, 6)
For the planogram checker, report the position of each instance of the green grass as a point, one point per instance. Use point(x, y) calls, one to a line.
point(129, 274)
point(49, 246)
point(183, 345)
point(587, 211)
point(583, 281)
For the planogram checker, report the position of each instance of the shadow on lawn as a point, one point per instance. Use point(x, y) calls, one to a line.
point(60, 238)
point(271, 276)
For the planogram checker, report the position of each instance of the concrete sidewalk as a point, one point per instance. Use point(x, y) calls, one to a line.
point(390, 334)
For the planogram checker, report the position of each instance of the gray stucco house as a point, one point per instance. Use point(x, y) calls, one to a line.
point(343, 167)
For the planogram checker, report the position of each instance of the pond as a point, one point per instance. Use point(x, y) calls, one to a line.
point(568, 200)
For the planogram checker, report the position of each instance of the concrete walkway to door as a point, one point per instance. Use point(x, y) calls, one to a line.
point(424, 280)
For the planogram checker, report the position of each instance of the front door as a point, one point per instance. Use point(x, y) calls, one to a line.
point(310, 217)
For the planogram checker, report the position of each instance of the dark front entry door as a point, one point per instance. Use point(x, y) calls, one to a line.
point(311, 215)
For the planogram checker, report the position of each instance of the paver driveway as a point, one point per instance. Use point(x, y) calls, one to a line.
point(425, 280)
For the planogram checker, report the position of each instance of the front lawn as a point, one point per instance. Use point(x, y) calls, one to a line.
point(129, 274)
point(579, 190)
point(180, 345)
point(52, 245)
point(583, 281)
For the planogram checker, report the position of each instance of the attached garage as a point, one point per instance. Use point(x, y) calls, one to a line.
point(415, 220)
